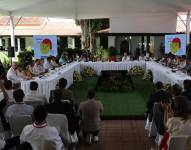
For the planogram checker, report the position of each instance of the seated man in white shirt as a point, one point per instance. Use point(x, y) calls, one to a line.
point(36, 68)
point(125, 57)
point(13, 74)
point(33, 95)
point(53, 62)
point(19, 108)
point(39, 131)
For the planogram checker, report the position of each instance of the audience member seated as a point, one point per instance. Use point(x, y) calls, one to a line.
point(53, 62)
point(66, 94)
point(142, 57)
point(13, 74)
point(61, 106)
point(83, 58)
point(39, 131)
point(47, 64)
point(34, 95)
point(27, 72)
point(187, 89)
point(9, 89)
point(125, 57)
point(182, 63)
point(90, 117)
point(19, 108)
point(187, 68)
point(62, 59)
point(157, 96)
point(2, 72)
point(176, 91)
point(37, 69)
point(3, 103)
point(41, 66)
point(180, 123)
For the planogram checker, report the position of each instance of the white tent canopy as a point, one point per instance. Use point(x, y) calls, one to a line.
point(86, 9)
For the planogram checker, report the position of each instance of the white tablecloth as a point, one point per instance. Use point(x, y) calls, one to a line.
point(99, 66)
point(160, 73)
point(48, 83)
point(165, 74)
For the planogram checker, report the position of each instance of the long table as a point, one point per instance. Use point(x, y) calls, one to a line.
point(99, 66)
point(49, 81)
point(165, 74)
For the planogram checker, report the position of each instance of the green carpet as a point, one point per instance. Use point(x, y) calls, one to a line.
point(130, 103)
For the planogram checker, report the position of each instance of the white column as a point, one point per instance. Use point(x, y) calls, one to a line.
point(111, 41)
point(19, 44)
point(12, 31)
point(1, 42)
point(188, 27)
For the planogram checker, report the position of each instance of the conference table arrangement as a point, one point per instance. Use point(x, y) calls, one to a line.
point(48, 81)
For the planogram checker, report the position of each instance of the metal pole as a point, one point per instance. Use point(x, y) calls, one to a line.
point(12, 31)
point(188, 27)
point(19, 44)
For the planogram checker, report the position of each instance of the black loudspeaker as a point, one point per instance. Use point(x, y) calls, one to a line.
point(11, 51)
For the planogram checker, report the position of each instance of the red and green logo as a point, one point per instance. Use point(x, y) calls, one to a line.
point(175, 45)
point(45, 46)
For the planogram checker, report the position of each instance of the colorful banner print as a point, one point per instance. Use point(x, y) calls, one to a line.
point(176, 44)
point(44, 46)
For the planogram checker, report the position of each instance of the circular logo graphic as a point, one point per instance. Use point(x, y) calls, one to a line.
point(45, 46)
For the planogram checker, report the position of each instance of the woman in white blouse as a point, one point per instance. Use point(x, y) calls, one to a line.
point(125, 57)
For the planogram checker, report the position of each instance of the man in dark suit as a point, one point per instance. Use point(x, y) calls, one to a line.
point(65, 93)
point(187, 89)
point(156, 97)
point(63, 106)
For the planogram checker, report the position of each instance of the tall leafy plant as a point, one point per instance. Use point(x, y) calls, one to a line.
point(25, 57)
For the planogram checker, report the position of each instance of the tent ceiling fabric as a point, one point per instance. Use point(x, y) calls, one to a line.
point(86, 9)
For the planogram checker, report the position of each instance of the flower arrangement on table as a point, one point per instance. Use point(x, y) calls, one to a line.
point(136, 70)
point(148, 75)
point(77, 77)
point(88, 72)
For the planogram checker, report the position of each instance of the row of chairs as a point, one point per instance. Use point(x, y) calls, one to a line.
point(182, 142)
point(32, 103)
point(17, 123)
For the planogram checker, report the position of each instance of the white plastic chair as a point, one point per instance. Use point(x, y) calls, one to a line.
point(179, 142)
point(17, 123)
point(61, 123)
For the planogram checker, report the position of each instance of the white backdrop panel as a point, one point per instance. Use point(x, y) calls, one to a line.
point(144, 23)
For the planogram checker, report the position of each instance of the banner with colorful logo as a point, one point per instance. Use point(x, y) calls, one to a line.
point(45, 45)
point(176, 44)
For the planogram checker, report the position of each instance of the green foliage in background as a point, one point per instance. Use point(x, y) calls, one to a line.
point(24, 57)
point(103, 53)
point(5, 59)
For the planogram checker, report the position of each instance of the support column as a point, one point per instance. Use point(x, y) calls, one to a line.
point(111, 41)
point(188, 27)
point(1, 42)
point(12, 31)
point(19, 44)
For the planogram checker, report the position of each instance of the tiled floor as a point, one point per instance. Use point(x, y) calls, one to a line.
point(121, 135)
